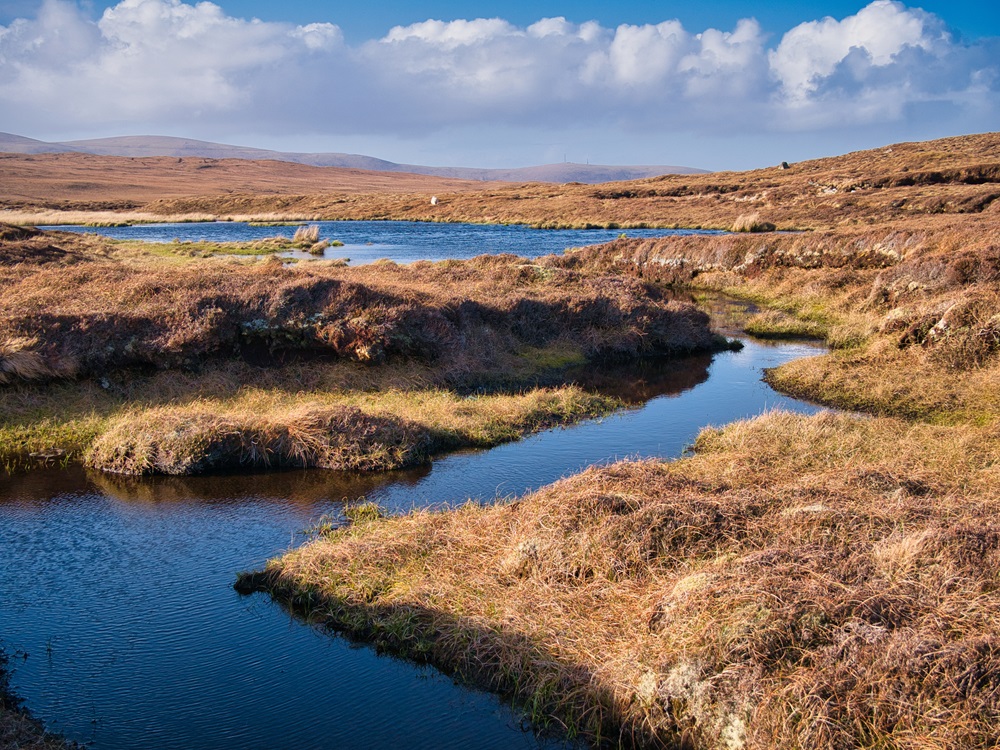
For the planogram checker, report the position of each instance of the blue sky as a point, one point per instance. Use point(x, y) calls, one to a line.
point(972, 18)
point(723, 84)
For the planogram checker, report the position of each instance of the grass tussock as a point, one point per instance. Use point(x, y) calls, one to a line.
point(306, 236)
point(755, 595)
point(752, 223)
point(171, 441)
point(358, 432)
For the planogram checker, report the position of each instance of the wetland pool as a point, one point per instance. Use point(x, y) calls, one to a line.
point(117, 606)
point(401, 241)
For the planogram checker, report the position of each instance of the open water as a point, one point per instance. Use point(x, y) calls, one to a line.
point(402, 241)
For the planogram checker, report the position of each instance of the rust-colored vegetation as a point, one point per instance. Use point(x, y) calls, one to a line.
point(802, 582)
point(903, 182)
point(94, 315)
point(823, 582)
point(269, 365)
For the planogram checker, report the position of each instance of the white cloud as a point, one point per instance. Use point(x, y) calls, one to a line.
point(149, 65)
point(880, 32)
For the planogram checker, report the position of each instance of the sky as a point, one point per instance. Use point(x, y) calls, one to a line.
point(730, 84)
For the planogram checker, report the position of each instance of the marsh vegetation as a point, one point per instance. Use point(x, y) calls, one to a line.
point(823, 581)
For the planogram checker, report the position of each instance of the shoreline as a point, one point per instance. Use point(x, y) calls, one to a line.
point(18, 728)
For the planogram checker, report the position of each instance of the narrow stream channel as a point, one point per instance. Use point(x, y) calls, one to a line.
point(116, 597)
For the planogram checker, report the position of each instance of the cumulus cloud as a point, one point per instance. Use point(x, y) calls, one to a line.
point(876, 36)
point(148, 64)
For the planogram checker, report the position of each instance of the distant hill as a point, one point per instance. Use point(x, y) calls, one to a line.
point(158, 145)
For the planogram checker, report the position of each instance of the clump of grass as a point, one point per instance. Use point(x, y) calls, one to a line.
point(306, 236)
point(752, 223)
point(188, 441)
point(775, 324)
point(319, 247)
point(361, 513)
point(20, 359)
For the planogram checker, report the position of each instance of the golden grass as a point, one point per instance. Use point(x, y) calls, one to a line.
point(801, 582)
point(353, 368)
point(94, 311)
point(751, 223)
point(755, 595)
point(913, 311)
point(238, 415)
point(346, 431)
point(53, 217)
point(904, 182)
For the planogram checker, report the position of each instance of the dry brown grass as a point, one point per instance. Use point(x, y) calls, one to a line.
point(113, 183)
point(751, 223)
point(802, 582)
point(372, 430)
point(904, 182)
point(913, 311)
point(192, 441)
point(347, 368)
point(469, 318)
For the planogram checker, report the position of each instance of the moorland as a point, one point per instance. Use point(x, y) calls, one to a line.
point(802, 581)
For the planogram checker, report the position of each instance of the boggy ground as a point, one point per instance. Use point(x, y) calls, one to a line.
point(901, 182)
point(144, 363)
point(825, 581)
point(808, 582)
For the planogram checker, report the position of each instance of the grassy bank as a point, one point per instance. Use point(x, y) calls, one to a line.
point(757, 594)
point(803, 582)
point(826, 581)
point(912, 312)
point(71, 312)
point(144, 362)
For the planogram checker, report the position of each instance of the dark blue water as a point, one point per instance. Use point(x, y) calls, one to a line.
point(402, 241)
point(120, 592)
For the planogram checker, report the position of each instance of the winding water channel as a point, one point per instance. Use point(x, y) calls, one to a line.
point(116, 597)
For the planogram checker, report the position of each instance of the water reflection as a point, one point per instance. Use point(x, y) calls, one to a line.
point(638, 382)
point(303, 488)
